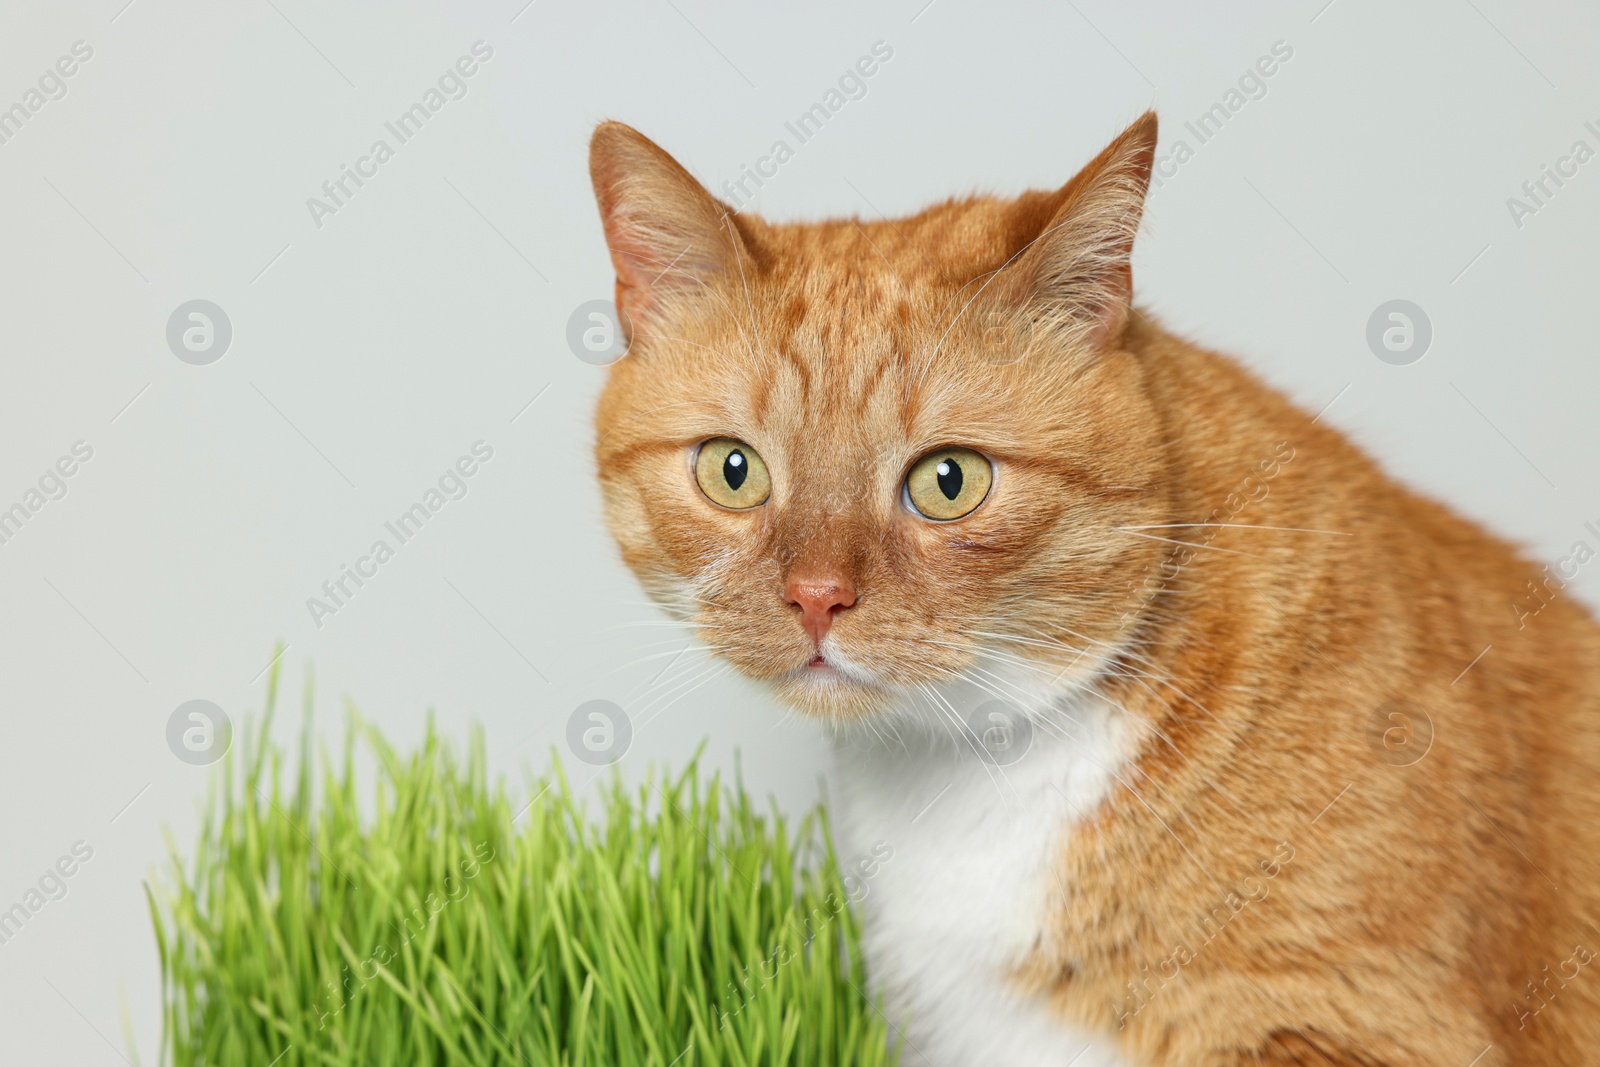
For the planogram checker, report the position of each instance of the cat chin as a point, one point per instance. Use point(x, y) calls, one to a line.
point(831, 694)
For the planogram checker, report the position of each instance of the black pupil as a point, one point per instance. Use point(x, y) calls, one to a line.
point(735, 469)
point(949, 472)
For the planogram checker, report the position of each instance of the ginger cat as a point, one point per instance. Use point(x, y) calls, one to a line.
point(1173, 708)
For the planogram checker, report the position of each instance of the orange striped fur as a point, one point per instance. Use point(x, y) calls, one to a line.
point(1331, 843)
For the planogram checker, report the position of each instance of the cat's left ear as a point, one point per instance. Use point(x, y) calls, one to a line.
point(668, 237)
point(1076, 275)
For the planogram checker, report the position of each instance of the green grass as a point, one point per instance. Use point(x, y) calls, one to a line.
point(430, 918)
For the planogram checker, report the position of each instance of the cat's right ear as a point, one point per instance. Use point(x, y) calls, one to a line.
point(667, 235)
point(1076, 272)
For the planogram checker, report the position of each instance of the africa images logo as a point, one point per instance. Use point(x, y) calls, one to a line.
point(339, 590)
point(452, 85)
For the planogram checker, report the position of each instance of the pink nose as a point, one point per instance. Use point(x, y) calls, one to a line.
point(819, 599)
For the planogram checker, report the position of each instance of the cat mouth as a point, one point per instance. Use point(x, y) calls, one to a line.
point(823, 667)
point(832, 686)
point(820, 667)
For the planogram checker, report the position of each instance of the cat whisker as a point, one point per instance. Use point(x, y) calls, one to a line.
point(705, 680)
point(674, 653)
point(668, 642)
point(1053, 645)
point(1111, 666)
point(1190, 544)
point(888, 726)
point(1126, 652)
point(638, 624)
point(1231, 526)
point(666, 680)
point(1048, 715)
point(964, 733)
point(1143, 722)
point(1035, 666)
point(871, 724)
point(710, 671)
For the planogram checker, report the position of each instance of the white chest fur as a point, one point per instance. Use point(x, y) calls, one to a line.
point(962, 897)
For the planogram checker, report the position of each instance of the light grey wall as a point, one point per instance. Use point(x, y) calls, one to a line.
point(369, 352)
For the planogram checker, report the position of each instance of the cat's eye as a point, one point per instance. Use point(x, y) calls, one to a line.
point(732, 474)
point(949, 483)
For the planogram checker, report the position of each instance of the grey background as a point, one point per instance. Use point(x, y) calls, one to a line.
point(431, 310)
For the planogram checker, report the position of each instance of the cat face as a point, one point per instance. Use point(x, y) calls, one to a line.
point(867, 459)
